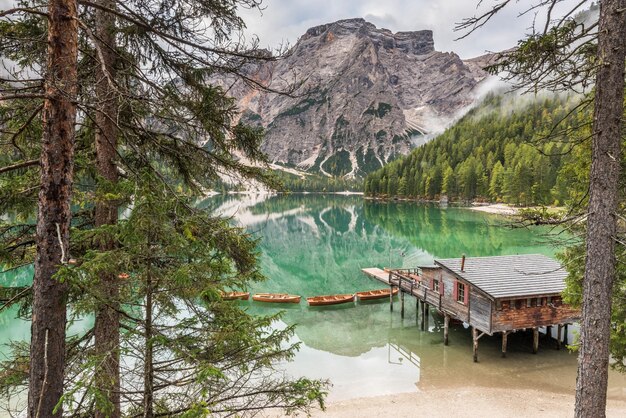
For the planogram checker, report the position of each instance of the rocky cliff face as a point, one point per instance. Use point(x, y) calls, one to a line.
point(367, 95)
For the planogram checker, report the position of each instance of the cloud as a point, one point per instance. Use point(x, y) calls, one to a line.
point(286, 20)
point(283, 21)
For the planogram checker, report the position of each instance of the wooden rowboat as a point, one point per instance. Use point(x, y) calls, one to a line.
point(375, 294)
point(276, 298)
point(235, 295)
point(329, 300)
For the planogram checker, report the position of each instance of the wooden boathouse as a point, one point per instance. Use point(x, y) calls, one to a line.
point(498, 294)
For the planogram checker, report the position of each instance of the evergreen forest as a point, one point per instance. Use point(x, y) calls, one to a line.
point(510, 149)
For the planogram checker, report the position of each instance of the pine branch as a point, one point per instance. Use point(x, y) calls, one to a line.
point(17, 166)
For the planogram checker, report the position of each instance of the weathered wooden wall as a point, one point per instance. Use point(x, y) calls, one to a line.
point(534, 316)
point(480, 310)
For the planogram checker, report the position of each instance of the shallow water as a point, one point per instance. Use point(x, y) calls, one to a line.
point(317, 244)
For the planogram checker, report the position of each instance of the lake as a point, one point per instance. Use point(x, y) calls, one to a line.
point(318, 244)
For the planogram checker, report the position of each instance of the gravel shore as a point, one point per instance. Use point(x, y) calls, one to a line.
point(496, 208)
point(463, 402)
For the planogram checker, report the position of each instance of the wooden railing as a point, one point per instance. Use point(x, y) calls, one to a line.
point(403, 280)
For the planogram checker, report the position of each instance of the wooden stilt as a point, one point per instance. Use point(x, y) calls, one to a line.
point(535, 340)
point(391, 298)
point(559, 329)
point(549, 332)
point(401, 304)
point(475, 345)
point(426, 310)
point(504, 341)
point(446, 325)
point(423, 313)
point(565, 334)
point(417, 309)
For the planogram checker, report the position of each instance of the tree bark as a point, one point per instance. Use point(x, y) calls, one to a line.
point(593, 359)
point(148, 390)
point(106, 328)
point(47, 347)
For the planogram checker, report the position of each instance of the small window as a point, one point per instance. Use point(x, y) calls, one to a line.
point(498, 305)
point(436, 285)
point(538, 302)
point(518, 304)
point(460, 292)
point(529, 302)
point(549, 300)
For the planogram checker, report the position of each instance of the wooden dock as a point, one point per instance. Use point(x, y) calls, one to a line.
point(378, 274)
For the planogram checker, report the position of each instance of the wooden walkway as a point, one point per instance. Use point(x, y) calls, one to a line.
point(377, 274)
point(408, 281)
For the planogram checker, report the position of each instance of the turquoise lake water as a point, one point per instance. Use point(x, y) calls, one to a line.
point(318, 244)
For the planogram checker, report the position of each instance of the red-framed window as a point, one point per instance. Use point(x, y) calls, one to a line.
point(461, 292)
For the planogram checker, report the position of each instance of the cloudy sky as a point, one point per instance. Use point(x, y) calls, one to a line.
point(286, 20)
point(283, 21)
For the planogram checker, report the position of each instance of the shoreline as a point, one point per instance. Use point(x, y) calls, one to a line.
point(495, 209)
point(462, 402)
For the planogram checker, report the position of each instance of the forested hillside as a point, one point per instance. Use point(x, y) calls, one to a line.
point(506, 149)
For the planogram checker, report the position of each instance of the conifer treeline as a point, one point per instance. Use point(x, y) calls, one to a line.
point(318, 183)
point(502, 150)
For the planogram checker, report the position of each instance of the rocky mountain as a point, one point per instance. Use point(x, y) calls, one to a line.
point(367, 95)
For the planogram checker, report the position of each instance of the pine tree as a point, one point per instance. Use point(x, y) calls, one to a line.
point(165, 128)
point(58, 89)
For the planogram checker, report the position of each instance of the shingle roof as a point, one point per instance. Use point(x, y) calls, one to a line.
point(510, 275)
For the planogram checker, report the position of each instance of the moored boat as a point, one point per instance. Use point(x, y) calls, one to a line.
point(329, 300)
point(375, 294)
point(276, 298)
point(235, 295)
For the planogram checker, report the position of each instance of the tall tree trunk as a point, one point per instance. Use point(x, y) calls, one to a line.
point(593, 359)
point(47, 347)
point(106, 328)
point(148, 387)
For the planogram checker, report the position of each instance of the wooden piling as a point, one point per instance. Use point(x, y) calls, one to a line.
point(535, 340)
point(401, 304)
point(549, 332)
point(423, 313)
point(504, 341)
point(446, 325)
point(391, 298)
point(417, 309)
point(426, 310)
point(565, 334)
point(559, 329)
point(475, 345)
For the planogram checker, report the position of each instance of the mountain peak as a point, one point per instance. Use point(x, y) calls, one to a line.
point(410, 42)
point(371, 95)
